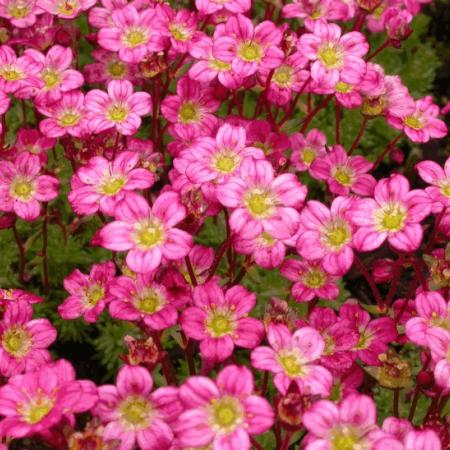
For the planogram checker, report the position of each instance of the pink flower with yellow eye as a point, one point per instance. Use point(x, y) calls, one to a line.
point(119, 108)
point(23, 341)
point(394, 214)
point(147, 233)
point(22, 188)
point(219, 320)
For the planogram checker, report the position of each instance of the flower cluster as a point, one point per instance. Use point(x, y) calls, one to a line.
point(275, 284)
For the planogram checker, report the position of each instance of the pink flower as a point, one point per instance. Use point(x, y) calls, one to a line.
point(339, 336)
point(55, 75)
point(89, 294)
point(101, 184)
point(439, 193)
point(108, 67)
point(247, 48)
point(222, 413)
point(148, 234)
point(393, 214)
point(421, 124)
point(211, 160)
point(23, 341)
point(192, 107)
point(374, 335)
point(15, 295)
point(67, 115)
point(34, 402)
point(32, 141)
point(439, 344)
point(232, 6)
point(342, 173)
point(261, 201)
point(65, 9)
point(289, 77)
point(100, 16)
point(143, 299)
point(292, 357)
point(120, 108)
point(219, 320)
point(201, 259)
point(20, 13)
point(314, 10)
point(310, 280)
point(305, 149)
point(334, 57)
point(15, 72)
point(433, 313)
point(133, 34)
point(208, 68)
point(327, 234)
point(402, 436)
point(133, 414)
point(267, 251)
point(180, 28)
point(352, 423)
point(22, 188)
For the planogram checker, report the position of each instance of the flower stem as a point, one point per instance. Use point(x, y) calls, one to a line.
point(45, 274)
point(362, 129)
point(311, 115)
point(21, 248)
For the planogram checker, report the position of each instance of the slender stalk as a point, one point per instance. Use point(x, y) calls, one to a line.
point(338, 110)
point(376, 293)
point(45, 275)
point(311, 115)
point(255, 443)
point(21, 248)
point(362, 129)
point(291, 109)
point(286, 440)
point(190, 271)
point(385, 44)
point(386, 150)
point(396, 401)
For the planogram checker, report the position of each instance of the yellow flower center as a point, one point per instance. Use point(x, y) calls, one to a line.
point(17, 341)
point(414, 122)
point(135, 37)
point(179, 32)
point(68, 7)
point(445, 189)
point(225, 161)
point(116, 69)
point(34, 411)
point(314, 278)
point(291, 364)
point(150, 301)
point(374, 106)
point(136, 412)
point(259, 203)
point(189, 113)
point(19, 10)
point(112, 185)
point(219, 323)
point(337, 235)
point(51, 78)
point(149, 235)
point(378, 11)
point(343, 88)
point(226, 413)
point(118, 113)
point(344, 175)
point(22, 189)
point(69, 119)
point(93, 295)
point(331, 56)
point(308, 155)
point(266, 239)
point(345, 438)
point(10, 73)
point(250, 51)
point(218, 65)
point(391, 218)
point(283, 76)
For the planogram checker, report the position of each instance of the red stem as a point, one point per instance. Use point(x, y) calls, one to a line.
point(362, 129)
